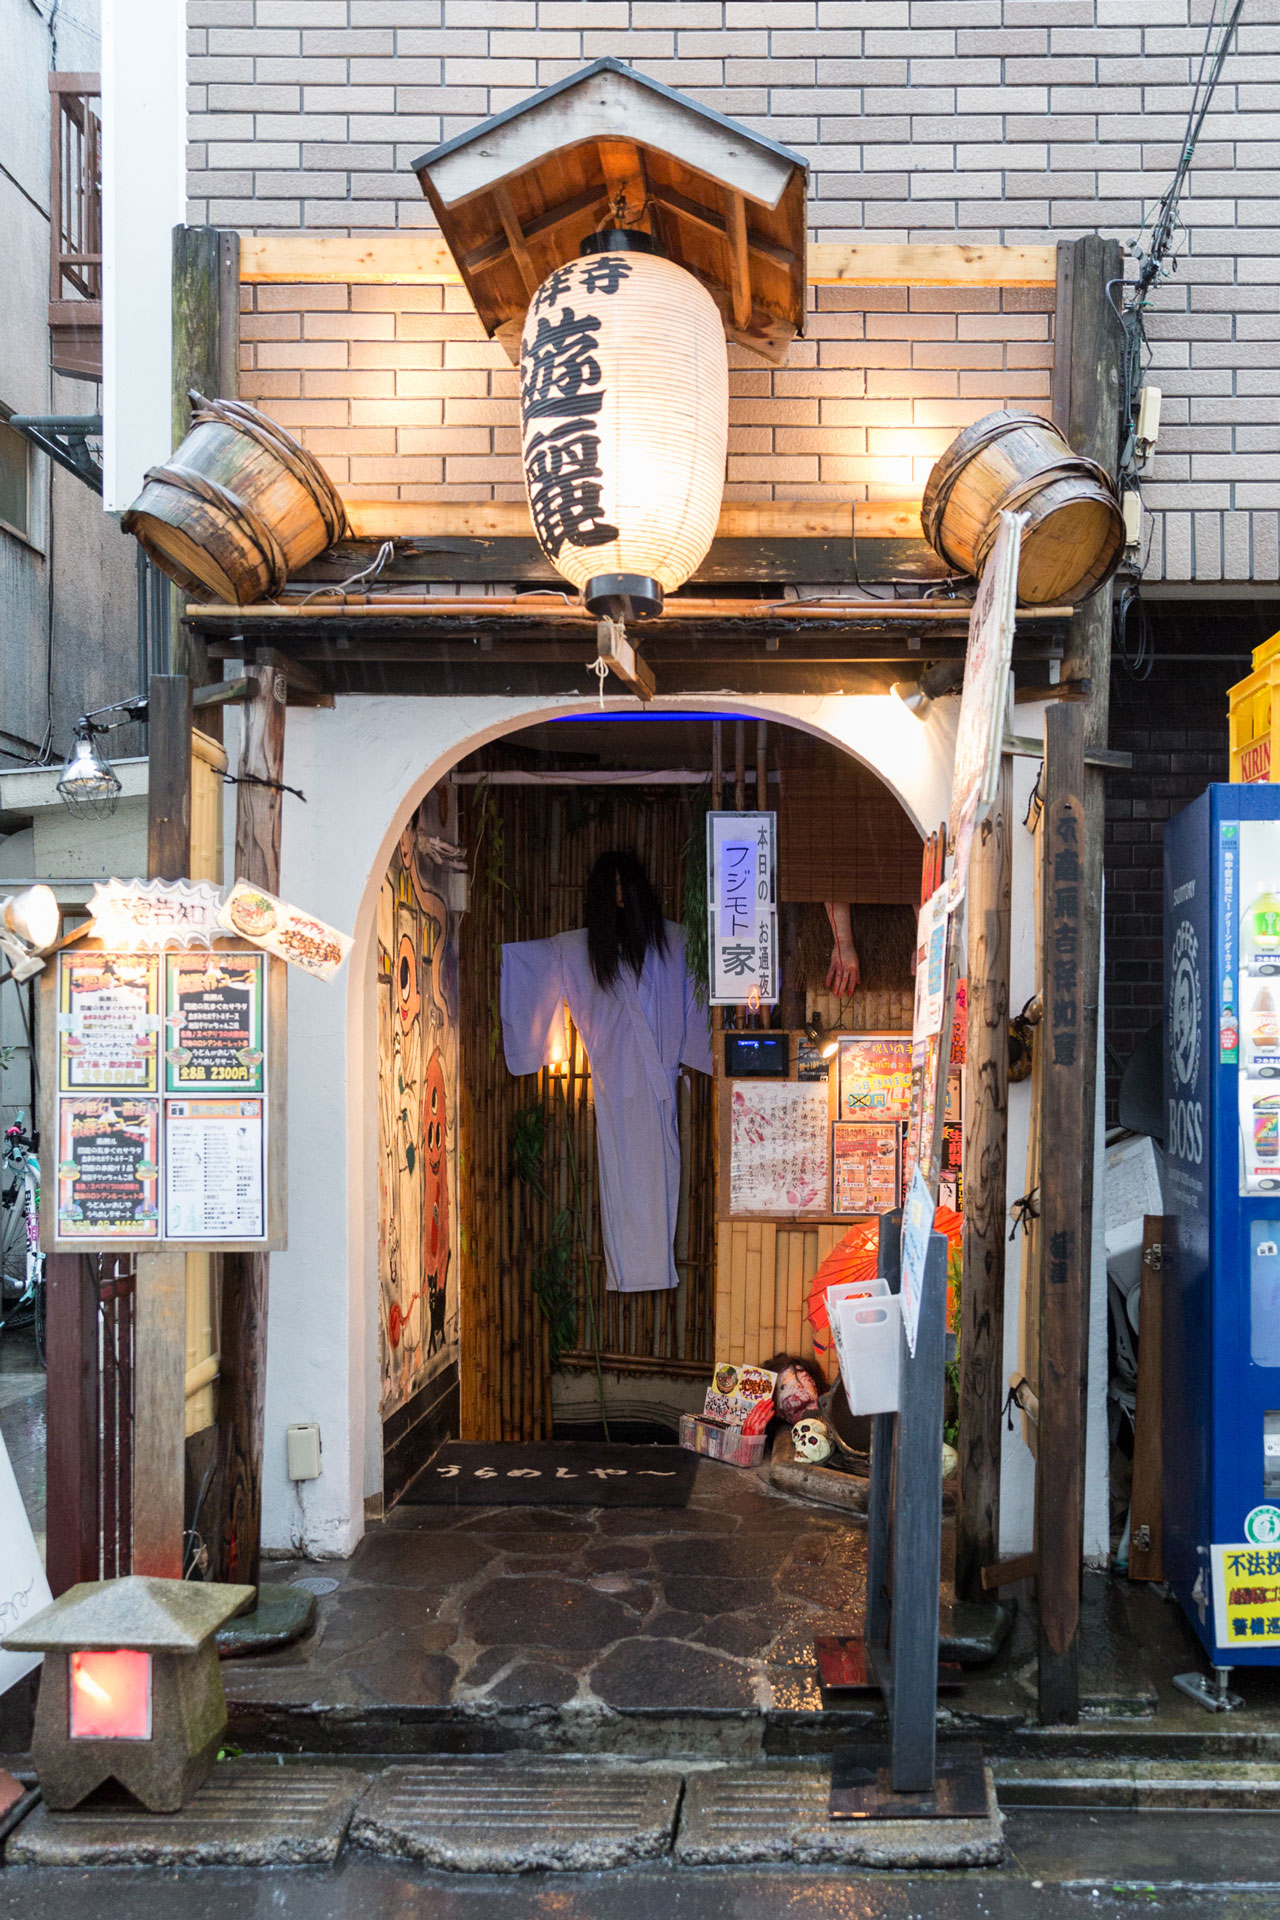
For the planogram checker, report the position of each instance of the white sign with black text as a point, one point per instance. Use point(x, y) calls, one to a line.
point(742, 933)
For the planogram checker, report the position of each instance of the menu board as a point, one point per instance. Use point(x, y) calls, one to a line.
point(213, 1022)
point(875, 1076)
point(215, 1170)
point(108, 1021)
point(178, 1152)
point(864, 1166)
point(779, 1149)
point(108, 1168)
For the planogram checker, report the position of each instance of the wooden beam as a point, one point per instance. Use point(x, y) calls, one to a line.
point(206, 357)
point(245, 1276)
point(1065, 1230)
point(515, 238)
point(168, 777)
point(737, 264)
point(986, 1121)
point(622, 164)
point(392, 519)
point(159, 1413)
point(72, 1398)
point(422, 259)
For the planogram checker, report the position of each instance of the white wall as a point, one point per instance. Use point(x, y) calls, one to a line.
point(144, 108)
point(363, 766)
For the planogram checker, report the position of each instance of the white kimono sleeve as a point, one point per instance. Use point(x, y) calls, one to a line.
point(532, 996)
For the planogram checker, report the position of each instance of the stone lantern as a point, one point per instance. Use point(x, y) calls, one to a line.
point(131, 1689)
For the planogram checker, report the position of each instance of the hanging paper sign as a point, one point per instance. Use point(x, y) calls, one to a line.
point(215, 1170)
point(281, 929)
point(980, 731)
point(864, 1166)
point(917, 1225)
point(108, 1021)
point(778, 1148)
point(108, 1168)
point(931, 967)
point(741, 908)
point(213, 1022)
point(875, 1077)
point(144, 915)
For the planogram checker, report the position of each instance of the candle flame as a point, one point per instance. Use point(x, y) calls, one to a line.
point(753, 1000)
point(87, 1684)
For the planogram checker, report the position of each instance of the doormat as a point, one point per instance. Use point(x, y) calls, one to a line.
point(467, 1474)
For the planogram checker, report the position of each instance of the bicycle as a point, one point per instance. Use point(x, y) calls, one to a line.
point(22, 1274)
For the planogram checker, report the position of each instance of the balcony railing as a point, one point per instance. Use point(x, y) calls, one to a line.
point(75, 227)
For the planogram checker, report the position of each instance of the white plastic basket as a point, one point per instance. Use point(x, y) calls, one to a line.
point(868, 1346)
point(844, 1290)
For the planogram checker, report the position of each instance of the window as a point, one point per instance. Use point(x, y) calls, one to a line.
point(15, 480)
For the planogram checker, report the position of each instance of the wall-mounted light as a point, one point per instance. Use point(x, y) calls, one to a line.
point(30, 922)
point(917, 696)
point(89, 785)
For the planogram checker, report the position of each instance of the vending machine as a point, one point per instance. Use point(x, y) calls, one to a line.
point(1221, 1271)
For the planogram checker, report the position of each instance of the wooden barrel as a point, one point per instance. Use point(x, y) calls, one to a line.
point(1073, 538)
point(238, 508)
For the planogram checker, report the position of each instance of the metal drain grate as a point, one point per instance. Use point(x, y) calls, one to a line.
point(317, 1583)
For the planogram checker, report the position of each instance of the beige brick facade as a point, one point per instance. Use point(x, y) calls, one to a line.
point(981, 120)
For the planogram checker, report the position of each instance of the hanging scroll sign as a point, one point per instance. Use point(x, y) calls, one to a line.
point(742, 908)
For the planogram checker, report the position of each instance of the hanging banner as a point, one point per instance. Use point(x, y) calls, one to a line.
point(983, 703)
point(931, 966)
point(917, 1225)
point(108, 1021)
point(278, 928)
point(742, 934)
point(213, 1023)
point(108, 1169)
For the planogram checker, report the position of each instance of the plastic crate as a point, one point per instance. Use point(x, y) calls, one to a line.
point(718, 1442)
point(1252, 717)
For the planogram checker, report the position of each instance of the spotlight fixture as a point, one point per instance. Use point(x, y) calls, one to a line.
point(89, 785)
point(29, 925)
point(917, 696)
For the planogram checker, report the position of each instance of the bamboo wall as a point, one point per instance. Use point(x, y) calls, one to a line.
point(531, 850)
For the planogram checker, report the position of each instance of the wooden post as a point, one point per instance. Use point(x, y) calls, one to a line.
point(986, 1115)
point(242, 1393)
point(160, 1336)
point(1065, 1237)
point(72, 1462)
point(206, 356)
point(1086, 406)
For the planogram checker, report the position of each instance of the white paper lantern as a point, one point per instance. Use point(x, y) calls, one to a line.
point(624, 404)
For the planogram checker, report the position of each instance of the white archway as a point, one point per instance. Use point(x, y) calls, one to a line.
point(364, 765)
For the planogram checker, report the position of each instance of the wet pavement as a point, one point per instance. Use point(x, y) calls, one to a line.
point(22, 1418)
point(685, 1631)
point(1059, 1865)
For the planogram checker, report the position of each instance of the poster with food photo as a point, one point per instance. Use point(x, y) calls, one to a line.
point(108, 1168)
point(864, 1166)
point(278, 928)
point(213, 1027)
point(108, 1021)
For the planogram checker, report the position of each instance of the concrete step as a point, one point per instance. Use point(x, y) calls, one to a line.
point(1236, 1786)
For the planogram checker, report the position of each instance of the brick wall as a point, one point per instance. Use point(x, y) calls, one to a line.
point(397, 390)
point(1175, 726)
point(997, 120)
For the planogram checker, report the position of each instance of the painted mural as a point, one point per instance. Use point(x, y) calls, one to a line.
point(417, 1102)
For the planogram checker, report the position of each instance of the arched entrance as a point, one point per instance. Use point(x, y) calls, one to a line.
point(366, 766)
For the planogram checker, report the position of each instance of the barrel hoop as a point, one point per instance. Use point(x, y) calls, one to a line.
point(933, 508)
point(1020, 495)
point(274, 440)
point(185, 480)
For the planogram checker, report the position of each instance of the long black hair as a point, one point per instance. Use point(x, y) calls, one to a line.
point(621, 932)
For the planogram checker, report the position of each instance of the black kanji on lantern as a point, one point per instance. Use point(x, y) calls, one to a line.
point(561, 385)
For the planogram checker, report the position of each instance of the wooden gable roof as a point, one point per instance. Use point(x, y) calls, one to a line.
point(517, 195)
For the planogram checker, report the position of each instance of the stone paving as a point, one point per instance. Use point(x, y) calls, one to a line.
point(709, 1607)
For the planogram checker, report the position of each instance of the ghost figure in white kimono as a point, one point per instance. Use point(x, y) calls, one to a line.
point(632, 1000)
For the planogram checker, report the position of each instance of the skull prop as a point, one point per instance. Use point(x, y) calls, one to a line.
point(813, 1440)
